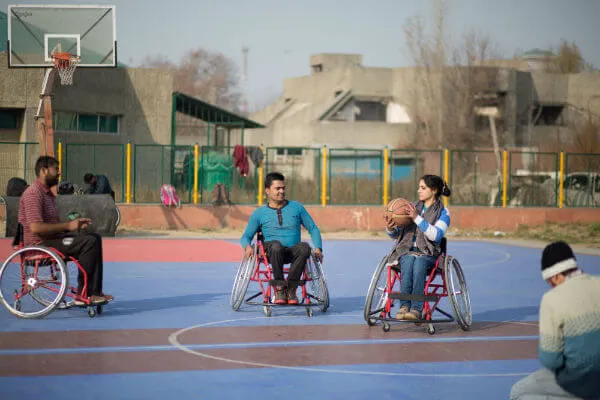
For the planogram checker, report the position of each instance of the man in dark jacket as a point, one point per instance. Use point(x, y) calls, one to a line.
point(98, 184)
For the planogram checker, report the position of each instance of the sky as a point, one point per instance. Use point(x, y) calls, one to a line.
point(282, 34)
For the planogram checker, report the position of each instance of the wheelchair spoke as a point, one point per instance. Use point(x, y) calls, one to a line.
point(33, 281)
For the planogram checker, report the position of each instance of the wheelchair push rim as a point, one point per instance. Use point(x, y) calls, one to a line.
point(317, 283)
point(378, 292)
point(458, 292)
point(242, 280)
point(33, 277)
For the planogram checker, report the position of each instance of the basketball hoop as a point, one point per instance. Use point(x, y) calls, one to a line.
point(65, 64)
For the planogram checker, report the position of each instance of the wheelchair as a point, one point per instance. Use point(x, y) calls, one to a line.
point(34, 281)
point(445, 279)
point(257, 269)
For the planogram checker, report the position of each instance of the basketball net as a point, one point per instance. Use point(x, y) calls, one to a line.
point(65, 64)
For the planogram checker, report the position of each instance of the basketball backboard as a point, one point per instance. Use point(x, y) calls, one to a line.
point(87, 31)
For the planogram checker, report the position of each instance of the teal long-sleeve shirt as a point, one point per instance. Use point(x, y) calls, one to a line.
point(293, 215)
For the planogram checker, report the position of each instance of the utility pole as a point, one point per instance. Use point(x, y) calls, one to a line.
point(244, 79)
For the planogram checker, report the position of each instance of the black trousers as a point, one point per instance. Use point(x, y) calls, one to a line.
point(279, 255)
point(87, 249)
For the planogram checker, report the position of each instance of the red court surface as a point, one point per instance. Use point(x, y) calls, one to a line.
point(159, 250)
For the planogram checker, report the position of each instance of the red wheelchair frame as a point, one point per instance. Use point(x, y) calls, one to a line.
point(451, 277)
point(38, 257)
point(257, 269)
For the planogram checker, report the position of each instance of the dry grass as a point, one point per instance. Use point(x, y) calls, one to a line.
point(583, 234)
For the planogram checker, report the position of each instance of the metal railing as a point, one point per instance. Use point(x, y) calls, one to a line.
point(342, 176)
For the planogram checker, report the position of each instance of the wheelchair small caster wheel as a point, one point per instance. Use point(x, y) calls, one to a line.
point(308, 312)
point(99, 310)
point(431, 329)
point(91, 312)
point(267, 311)
point(371, 321)
point(386, 327)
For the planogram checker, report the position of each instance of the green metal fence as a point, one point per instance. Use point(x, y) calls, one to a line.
point(407, 167)
point(353, 176)
point(582, 180)
point(216, 165)
point(475, 177)
point(533, 179)
point(301, 167)
point(151, 169)
point(103, 159)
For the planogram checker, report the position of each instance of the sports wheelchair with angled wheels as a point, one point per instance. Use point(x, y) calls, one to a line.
point(34, 281)
point(257, 269)
point(444, 279)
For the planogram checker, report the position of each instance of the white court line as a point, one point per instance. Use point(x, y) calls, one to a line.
point(173, 339)
point(506, 255)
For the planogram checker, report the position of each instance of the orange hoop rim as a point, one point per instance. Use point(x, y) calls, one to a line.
point(63, 59)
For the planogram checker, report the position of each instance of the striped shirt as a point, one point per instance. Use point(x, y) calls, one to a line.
point(37, 204)
point(434, 232)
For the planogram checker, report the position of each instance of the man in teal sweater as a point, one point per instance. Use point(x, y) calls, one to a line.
point(569, 347)
point(280, 222)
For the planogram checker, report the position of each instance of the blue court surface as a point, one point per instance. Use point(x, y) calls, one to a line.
point(171, 333)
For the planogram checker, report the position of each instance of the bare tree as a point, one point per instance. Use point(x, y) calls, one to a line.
point(447, 79)
point(454, 95)
point(210, 76)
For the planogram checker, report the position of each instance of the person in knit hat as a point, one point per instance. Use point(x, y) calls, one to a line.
point(569, 346)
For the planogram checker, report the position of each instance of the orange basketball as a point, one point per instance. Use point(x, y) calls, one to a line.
point(395, 211)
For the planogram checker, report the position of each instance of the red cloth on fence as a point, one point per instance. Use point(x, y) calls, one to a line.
point(240, 159)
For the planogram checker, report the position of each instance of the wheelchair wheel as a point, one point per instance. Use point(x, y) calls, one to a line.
point(317, 284)
point(242, 280)
point(33, 282)
point(376, 296)
point(118, 217)
point(458, 292)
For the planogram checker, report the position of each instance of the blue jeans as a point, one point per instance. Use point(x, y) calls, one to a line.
point(413, 269)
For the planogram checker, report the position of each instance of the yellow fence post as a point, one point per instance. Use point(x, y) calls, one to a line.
point(196, 152)
point(561, 179)
point(128, 175)
point(59, 155)
point(261, 178)
point(386, 175)
point(446, 171)
point(504, 178)
point(324, 176)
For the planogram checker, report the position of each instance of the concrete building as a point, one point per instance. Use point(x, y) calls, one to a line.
point(343, 104)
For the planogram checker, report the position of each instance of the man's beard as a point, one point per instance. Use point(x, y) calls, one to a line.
point(52, 181)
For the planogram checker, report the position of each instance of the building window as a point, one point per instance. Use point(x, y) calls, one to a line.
point(86, 123)
point(369, 111)
point(289, 151)
point(9, 118)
